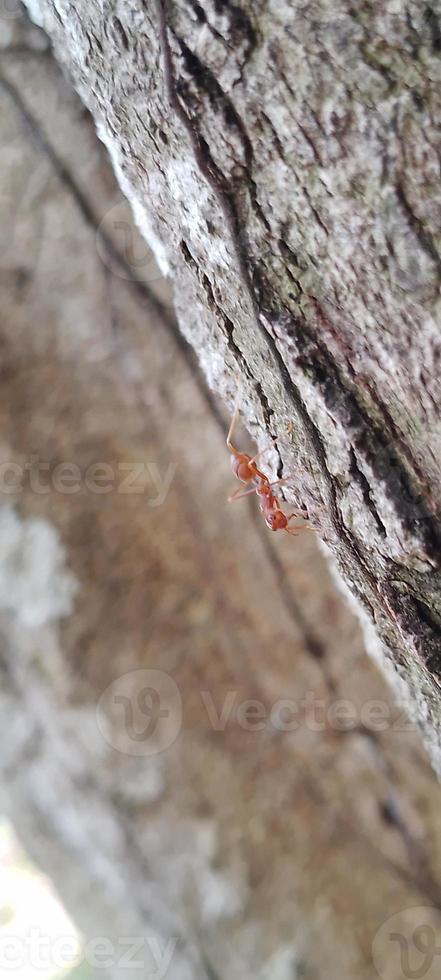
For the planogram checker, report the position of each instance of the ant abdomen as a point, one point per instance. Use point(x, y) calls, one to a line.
point(240, 465)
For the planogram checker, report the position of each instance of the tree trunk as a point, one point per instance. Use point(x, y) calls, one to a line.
point(283, 159)
point(283, 811)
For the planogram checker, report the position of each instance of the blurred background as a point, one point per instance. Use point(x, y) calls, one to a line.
point(202, 772)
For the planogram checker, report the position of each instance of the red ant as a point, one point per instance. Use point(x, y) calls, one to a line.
point(245, 469)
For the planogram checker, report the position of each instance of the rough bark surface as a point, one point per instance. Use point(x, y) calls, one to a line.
point(276, 852)
point(284, 158)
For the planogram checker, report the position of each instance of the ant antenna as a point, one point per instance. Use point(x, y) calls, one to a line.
point(235, 415)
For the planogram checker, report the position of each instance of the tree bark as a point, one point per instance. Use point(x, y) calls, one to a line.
point(283, 158)
point(295, 812)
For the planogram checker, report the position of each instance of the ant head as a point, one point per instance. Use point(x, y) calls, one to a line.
point(276, 520)
point(240, 464)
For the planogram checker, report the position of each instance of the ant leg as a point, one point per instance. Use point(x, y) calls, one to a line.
point(276, 483)
point(246, 493)
point(241, 493)
point(299, 527)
